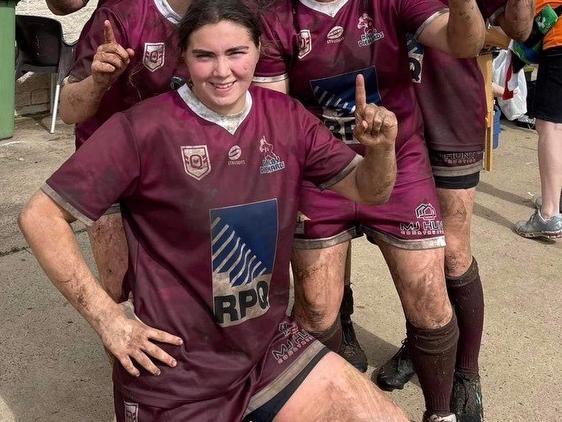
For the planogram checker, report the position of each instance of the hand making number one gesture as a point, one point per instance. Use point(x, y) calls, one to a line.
point(374, 125)
point(110, 60)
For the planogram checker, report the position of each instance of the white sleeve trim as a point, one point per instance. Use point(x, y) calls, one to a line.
point(51, 193)
point(342, 174)
point(270, 79)
point(429, 20)
point(495, 15)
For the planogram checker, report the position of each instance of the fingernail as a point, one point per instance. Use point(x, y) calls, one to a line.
point(157, 373)
point(173, 363)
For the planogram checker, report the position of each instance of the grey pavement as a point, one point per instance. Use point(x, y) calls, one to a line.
point(53, 368)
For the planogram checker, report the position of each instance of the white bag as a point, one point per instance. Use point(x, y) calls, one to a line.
point(517, 106)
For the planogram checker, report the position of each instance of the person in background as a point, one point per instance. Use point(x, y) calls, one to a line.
point(546, 221)
point(313, 50)
point(127, 52)
point(452, 98)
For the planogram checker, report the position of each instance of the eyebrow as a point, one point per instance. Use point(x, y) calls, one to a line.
point(230, 50)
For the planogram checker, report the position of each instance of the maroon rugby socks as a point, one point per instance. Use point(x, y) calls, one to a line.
point(467, 298)
point(433, 352)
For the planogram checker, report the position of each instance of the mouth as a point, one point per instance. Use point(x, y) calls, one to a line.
point(223, 86)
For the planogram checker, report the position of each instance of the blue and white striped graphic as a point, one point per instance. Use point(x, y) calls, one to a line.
point(336, 96)
point(243, 248)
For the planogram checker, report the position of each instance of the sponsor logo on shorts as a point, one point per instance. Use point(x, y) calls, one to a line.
point(335, 35)
point(153, 57)
point(305, 43)
point(296, 339)
point(271, 161)
point(370, 34)
point(234, 155)
point(243, 249)
point(426, 224)
point(131, 412)
point(455, 159)
point(196, 161)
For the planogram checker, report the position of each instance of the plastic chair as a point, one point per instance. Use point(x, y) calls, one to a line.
point(42, 49)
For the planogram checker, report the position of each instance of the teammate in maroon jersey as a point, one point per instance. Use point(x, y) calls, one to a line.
point(127, 52)
point(314, 49)
point(451, 96)
point(208, 179)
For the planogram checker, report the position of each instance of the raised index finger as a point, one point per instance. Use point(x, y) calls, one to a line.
point(108, 35)
point(360, 93)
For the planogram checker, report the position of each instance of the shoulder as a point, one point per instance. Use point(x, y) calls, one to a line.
point(155, 113)
point(277, 14)
point(273, 99)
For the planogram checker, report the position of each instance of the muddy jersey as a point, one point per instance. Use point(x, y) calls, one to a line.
point(321, 47)
point(451, 94)
point(149, 28)
point(209, 205)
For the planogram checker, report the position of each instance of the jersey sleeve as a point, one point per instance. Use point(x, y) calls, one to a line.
point(415, 15)
point(327, 159)
point(102, 172)
point(276, 49)
point(91, 38)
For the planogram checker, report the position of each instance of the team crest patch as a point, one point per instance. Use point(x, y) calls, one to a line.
point(415, 57)
point(305, 43)
point(196, 161)
point(335, 35)
point(271, 162)
point(131, 412)
point(153, 58)
point(370, 34)
point(243, 249)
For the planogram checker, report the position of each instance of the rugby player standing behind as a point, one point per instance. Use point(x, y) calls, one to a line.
point(314, 50)
point(452, 98)
point(127, 52)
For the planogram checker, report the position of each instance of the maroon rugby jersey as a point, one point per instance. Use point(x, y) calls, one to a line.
point(322, 47)
point(149, 28)
point(451, 94)
point(209, 205)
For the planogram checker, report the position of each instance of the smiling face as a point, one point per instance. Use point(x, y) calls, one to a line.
point(221, 59)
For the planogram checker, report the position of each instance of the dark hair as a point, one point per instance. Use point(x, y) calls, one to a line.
point(204, 12)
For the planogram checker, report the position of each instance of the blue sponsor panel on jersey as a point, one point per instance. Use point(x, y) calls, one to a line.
point(336, 96)
point(338, 92)
point(243, 247)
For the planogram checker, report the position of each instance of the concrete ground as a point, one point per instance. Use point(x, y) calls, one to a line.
point(53, 368)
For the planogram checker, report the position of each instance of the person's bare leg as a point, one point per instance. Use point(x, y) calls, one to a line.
point(318, 276)
point(334, 391)
point(467, 297)
point(431, 324)
point(109, 247)
point(550, 166)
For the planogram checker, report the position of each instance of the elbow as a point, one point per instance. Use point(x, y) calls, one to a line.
point(518, 32)
point(470, 49)
point(381, 196)
point(65, 7)
point(65, 111)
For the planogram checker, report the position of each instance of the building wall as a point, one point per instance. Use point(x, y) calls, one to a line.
point(33, 90)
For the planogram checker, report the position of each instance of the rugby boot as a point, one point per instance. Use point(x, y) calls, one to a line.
point(350, 349)
point(395, 373)
point(537, 226)
point(466, 400)
point(437, 418)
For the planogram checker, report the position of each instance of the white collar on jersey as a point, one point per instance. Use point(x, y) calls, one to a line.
point(229, 123)
point(166, 10)
point(331, 8)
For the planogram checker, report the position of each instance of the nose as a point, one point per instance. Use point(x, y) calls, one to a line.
point(222, 68)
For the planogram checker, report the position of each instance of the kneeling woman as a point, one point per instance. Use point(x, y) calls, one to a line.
point(208, 179)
